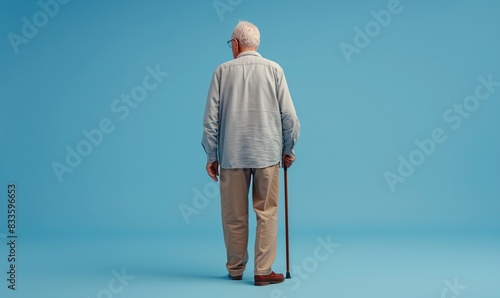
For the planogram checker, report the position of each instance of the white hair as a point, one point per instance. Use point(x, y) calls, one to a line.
point(247, 34)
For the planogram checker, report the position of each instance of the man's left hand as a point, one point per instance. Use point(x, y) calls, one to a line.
point(213, 170)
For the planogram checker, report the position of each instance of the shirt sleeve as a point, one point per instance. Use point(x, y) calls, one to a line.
point(289, 120)
point(211, 120)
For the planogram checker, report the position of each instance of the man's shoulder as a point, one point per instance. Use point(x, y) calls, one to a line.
point(248, 60)
point(271, 63)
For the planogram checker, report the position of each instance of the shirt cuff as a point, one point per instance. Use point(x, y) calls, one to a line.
point(211, 158)
point(289, 151)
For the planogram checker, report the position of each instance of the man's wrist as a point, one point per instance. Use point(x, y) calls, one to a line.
point(288, 152)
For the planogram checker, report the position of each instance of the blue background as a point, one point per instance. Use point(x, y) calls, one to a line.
point(357, 118)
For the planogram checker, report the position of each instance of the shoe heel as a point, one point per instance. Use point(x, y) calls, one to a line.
point(262, 283)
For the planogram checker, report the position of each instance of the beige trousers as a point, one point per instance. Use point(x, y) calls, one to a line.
point(234, 188)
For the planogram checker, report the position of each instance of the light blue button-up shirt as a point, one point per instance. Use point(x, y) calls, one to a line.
point(249, 118)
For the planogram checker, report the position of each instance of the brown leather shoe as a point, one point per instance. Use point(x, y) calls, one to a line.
point(264, 280)
point(236, 277)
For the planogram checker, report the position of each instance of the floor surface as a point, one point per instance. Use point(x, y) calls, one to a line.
point(323, 264)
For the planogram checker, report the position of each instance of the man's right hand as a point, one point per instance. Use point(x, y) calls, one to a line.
point(213, 170)
point(288, 160)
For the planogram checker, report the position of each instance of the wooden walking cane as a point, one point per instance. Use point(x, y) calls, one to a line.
point(286, 225)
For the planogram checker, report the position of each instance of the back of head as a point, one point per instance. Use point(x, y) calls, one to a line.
point(247, 34)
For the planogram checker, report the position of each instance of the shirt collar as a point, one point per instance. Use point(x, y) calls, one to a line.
point(249, 53)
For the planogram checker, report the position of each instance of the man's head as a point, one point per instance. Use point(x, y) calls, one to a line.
point(246, 37)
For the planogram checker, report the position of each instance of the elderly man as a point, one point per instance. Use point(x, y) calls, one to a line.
point(250, 125)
